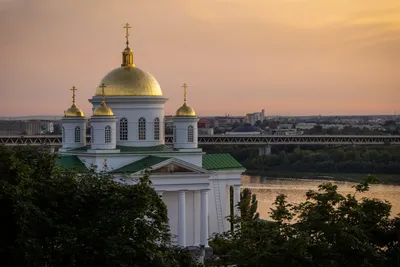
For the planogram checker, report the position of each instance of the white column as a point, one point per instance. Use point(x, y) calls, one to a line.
point(196, 218)
point(204, 218)
point(181, 218)
point(236, 198)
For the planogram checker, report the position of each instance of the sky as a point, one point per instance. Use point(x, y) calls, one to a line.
point(289, 57)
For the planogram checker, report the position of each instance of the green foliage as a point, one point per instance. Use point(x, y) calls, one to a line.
point(248, 206)
point(327, 229)
point(379, 160)
point(52, 218)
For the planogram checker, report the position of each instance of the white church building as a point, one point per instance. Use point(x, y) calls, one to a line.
point(127, 137)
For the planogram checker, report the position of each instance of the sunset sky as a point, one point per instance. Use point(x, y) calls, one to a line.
point(289, 57)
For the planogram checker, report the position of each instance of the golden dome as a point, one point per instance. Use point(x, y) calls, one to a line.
point(103, 110)
point(73, 111)
point(130, 81)
point(185, 111)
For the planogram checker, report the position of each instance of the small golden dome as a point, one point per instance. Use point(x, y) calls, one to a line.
point(103, 110)
point(130, 81)
point(73, 111)
point(185, 111)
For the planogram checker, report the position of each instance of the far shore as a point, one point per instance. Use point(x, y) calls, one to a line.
point(390, 179)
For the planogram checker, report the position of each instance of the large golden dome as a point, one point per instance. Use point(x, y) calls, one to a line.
point(129, 81)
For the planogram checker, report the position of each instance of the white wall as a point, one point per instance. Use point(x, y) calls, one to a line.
point(99, 125)
point(181, 125)
point(192, 215)
point(223, 180)
point(133, 108)
point(68, 125)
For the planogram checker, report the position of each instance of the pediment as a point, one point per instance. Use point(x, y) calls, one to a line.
point(172, 167)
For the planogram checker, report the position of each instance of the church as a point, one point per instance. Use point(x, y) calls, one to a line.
point(127, 137)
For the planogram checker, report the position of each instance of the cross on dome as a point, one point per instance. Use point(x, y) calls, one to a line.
point(103, 110)
point(127, 27)
point(184, 86)
point(73, 89)
point(102, 86)
point(73, 111)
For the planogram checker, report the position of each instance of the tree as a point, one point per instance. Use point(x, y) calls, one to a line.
point(327, 229)
point(248, 206)
point(53, 218)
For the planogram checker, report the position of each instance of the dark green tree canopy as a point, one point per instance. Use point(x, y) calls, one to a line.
point(52, 218)
point(327, 229)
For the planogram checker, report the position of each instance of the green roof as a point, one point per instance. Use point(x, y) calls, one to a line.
point(220, 162)
point(134, 149)
point(72, 163)
point(140, 164)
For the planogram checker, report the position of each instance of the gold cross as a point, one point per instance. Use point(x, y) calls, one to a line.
point(102, 86)
point(73, 89)
point(184, 91)
point(127, 27)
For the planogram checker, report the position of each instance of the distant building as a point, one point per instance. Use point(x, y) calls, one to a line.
point(252, 118)
point(26, 127)
point(205, 131)
point(246, 129)
point(305, 125)
point(204, 123)
point(227, 122)
point(285, 132)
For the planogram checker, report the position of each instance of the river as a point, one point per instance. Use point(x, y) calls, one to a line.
point(295, 190)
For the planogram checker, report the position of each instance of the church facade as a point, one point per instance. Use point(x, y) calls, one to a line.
point(127, 137)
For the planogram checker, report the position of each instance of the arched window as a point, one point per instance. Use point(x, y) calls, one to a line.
point(77, 134)
point(174, 132)
point(63, 134)
point(107, 134)
point(156, 129)
point(142, 129)
point(123, 129)
point(190, 134)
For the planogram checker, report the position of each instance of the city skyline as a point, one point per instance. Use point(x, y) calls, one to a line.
point(298, 57)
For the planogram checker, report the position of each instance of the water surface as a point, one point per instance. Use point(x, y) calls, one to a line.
point(295, 190)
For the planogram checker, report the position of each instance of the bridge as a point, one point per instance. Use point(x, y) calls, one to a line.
point(259, 140)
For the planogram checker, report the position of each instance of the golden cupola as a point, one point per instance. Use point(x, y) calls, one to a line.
point(74, 111)
point(103, 110)
point(185, 110)
point(129, 80)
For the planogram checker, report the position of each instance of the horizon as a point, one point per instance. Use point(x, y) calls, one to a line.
point(296, 57)
point(215, 116)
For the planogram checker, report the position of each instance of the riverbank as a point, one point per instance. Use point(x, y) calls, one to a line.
point(390, 179)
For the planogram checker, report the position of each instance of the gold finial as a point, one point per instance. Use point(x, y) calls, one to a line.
point(103, 110)
point(127, 54)
point(102, 86)
point(127, 27)
point(73, 89)
point(185, 86)
point(185, 110)
point(73, 111)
